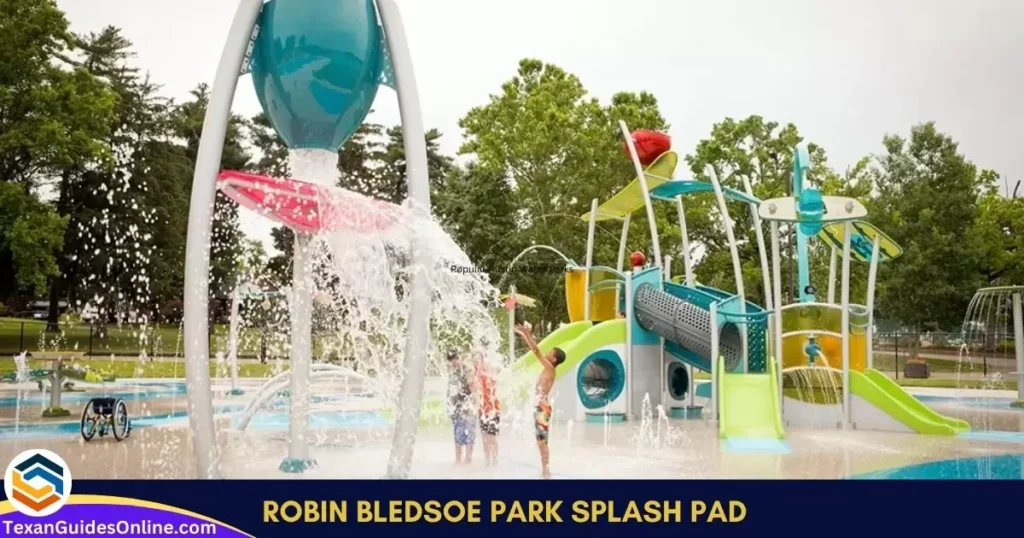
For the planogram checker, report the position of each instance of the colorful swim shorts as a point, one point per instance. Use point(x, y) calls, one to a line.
point(489, 424)
point(542, 421)
point(464, 429)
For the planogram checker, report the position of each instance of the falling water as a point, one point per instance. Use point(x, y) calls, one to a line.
point(360, 270)
point(986, 329)
point(568, 435)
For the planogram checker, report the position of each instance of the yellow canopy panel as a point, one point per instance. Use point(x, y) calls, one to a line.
point(631, 197)
point(602, 303)
point(862, 241)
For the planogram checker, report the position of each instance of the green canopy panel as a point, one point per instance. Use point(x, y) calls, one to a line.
point(631, 197)
point(861, 241)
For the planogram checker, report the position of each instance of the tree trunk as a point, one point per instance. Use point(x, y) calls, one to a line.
point(53, 315)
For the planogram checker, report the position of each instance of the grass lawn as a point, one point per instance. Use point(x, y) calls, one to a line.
point(124, 368)
point(161, 341)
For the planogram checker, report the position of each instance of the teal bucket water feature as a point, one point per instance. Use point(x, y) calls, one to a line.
point(316, 66)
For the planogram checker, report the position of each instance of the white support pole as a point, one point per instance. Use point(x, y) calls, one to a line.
point(761, 250)
point(872, 276)
point(621, 260)
point(512, 327)
point(777, 291)
point(197, 246)
point(714, 362)
point(642, 178)
point(410, 396)
point(233, 340)
point(845, 320)
point(687, 261)
point(629, 344)
point(666, 274)
point(590, 259)
point(832, 276)
point(737, 269)
point(1018, 342)
point(301, 356)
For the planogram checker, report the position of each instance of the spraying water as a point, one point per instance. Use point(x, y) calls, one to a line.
point(360, 269)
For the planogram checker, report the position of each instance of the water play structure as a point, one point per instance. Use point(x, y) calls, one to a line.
point(316, 66)
point(806, 364)
point(994, 318)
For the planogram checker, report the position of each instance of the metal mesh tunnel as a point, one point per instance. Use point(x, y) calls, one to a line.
point(686, 324)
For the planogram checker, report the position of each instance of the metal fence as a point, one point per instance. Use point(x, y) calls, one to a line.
point(947, 354)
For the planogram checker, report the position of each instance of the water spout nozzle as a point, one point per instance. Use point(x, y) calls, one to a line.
point(812, 349)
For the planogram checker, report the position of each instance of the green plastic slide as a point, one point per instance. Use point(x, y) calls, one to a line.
point(748, 404)
point(595, 337)
point(559, 338)
point(877, 389)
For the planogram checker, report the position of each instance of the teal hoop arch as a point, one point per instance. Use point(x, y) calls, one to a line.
point(612, 382)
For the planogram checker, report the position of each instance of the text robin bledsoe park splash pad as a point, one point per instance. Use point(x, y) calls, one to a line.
point(533, 511)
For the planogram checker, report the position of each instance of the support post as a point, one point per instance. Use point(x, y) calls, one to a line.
point(642, 178)
point(666, 274)
point(845, 320)
point(1018, 342)
point(737, 269)
point(714, 362)
point(629, 343)
point(761, 250)
point(512, 327)
point(197, 247)
point(298, 459)
point(833, 258)
point(410, 396)
point(590, 258)
point(872, 276)
point(233, 342)
point(687, 262)
point(621, 260)
point(777, 290)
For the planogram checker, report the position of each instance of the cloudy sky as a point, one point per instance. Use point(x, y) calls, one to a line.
point(844, 72)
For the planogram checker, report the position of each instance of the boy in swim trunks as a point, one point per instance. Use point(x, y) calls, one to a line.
point(542, 414)
point(460, 408)
point(490, 409)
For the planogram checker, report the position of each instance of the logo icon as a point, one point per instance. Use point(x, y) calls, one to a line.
point(37, 482)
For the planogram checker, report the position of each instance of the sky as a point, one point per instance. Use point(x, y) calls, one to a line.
point(846, 73)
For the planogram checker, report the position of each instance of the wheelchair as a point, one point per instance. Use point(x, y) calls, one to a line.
point(103, 415)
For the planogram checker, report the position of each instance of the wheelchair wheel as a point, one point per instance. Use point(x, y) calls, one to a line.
point(119, 421)
point(88, 422)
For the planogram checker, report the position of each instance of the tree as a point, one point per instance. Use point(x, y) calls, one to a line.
point(760, 152)
point(31, 234)
point(558, 148)
point(477, 208)
point(225, 240)
point(998, 234)
point(124, 246)
point(395, 186)
point(928, 202)
point(50, 115)
point(270, 146)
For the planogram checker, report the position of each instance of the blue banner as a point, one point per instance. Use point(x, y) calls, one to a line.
point(523, 508)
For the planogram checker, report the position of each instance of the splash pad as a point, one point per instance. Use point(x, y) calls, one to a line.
point(316, 66)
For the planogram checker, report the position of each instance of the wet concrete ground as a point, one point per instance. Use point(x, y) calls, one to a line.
point(672, 449)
